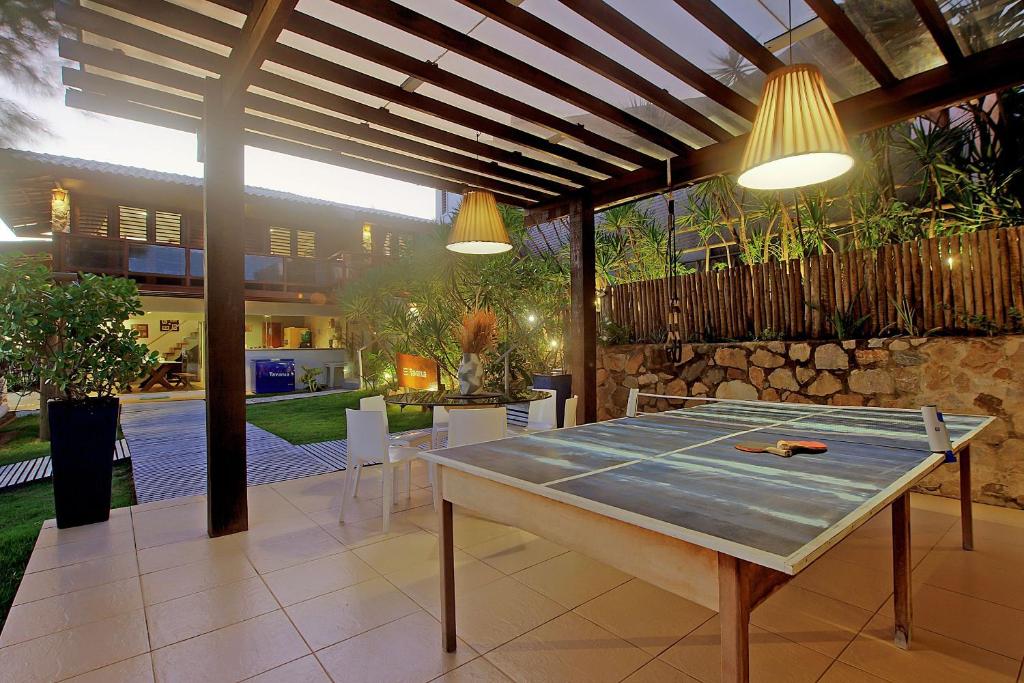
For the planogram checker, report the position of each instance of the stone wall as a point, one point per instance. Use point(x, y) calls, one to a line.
point(959, 374)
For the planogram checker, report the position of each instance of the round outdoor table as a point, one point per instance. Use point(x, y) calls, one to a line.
point(453, 399)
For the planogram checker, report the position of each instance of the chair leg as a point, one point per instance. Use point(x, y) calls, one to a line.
point(344, 492)
point(359, 472)
point(408, 479)
point(434, 488)
point(388, 476)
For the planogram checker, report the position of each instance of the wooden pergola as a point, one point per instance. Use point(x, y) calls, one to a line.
point(557, 106)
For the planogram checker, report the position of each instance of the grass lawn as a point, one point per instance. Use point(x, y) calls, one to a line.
point(18, 440)
point(322, 418)
point(22, 512)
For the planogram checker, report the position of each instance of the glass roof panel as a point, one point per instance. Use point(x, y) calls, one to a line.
point(895, 30)
point(981, 24)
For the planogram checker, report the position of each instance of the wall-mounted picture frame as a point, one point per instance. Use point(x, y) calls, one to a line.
point(170, 325)
point(142, 329)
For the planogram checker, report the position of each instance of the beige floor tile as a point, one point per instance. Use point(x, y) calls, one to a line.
point(816, 621)
point(477, 671)
point(135, 670)
point(168, 503)
point(425, 517)
point(772, 657)
point(993, 513)
point(855, 584)
point(932, 657)
point(304, 670)
point(82, 649)
point(187, 552)
point(266, 504)
point(396, 553)
point(233, 653)
point(407, 650)
point(323, 575)
point(117, 524)
point(495, 613)
point(1000, 540)
point(844, 673)
point(76, 577)
point(311, 494)
point(333, 617)
point(978, 622)
point(358, 534)
point(69, 610)
point(982, 573)
point(198, 613)
point(657, 671)
point(177, 582)
point(72, 553)
point(515, 551)
point(422, 582)
point(571, 579)
point(568, 648)
point(471, 530)
point(647, 616)
point(170, 525)
point(271, 552)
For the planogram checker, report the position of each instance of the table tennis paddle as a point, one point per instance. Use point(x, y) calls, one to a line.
point(782, 448)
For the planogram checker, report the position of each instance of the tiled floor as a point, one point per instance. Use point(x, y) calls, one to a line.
point(301, 598)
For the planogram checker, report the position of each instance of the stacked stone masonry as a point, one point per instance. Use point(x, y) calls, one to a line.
point(959, 374)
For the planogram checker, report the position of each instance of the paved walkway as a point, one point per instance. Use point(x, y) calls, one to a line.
point(168, 447)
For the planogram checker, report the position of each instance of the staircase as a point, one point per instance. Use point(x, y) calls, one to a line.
point(189, 342)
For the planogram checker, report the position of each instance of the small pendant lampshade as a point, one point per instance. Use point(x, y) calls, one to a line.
point(478, 226)
point(797, 139)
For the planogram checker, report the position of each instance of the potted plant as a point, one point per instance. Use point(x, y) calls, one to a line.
point(70, 332)
point(476, 335)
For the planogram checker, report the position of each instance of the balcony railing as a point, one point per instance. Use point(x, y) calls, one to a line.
point(167, 266)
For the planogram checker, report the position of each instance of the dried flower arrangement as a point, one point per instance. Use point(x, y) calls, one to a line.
point(479, 330)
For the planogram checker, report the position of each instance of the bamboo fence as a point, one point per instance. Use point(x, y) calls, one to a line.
point(964, 283)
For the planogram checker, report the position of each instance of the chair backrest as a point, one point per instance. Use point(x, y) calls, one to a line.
point(440, 416)
point(473, 425)
point(372, 403)
point(634, 395)
point(367, 433)
point(543, 413)
point(570, 412)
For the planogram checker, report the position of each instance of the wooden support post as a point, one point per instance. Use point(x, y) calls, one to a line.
point(224, 216)
point(966, 511)
point(583, 319)
point(734, 619)
point(446, 554)
point(901, 569)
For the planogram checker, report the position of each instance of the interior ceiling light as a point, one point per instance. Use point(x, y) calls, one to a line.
point(478, 227)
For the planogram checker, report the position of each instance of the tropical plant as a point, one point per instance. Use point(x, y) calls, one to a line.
point(28, 29)
point(311, 378)
point(69, 334)
point(478, 331)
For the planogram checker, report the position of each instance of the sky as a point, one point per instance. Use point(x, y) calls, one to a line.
point(85, 135)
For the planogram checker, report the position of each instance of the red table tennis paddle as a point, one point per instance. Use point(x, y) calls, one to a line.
point(782, 448)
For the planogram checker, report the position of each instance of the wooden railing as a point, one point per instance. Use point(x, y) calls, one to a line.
point(966, 283)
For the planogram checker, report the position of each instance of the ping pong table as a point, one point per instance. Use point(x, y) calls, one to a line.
point(667, 498)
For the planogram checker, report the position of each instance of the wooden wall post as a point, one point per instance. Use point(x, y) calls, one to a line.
point(582, 330)
point(224, 216)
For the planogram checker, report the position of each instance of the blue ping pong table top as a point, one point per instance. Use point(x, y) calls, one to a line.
point(678, 472)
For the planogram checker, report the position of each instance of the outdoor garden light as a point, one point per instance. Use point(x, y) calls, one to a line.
point(478, 226)
point(797, 139)
point(531, 318)
point(554, 343)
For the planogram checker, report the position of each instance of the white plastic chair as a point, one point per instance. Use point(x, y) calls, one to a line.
point(373, 403)
point(570, 412)
point(467, 426)
point(634, 395)
point(543, 414)
point(440, 426)
point(368, 442)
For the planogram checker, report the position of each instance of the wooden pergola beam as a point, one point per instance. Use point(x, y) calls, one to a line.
point(844, 29)
point(263, 24)
point(435, 32)
point(616, 24)
point(535, 28)
point(197, 24)
point(731, 33)
point(937, 25)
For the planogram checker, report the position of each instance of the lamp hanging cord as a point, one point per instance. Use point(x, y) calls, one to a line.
point(673, 340)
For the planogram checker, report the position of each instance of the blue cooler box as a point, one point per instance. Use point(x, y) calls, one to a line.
point(274, 375)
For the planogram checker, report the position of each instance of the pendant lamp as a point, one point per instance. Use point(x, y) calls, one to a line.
point(478, 226)
point(797, 139)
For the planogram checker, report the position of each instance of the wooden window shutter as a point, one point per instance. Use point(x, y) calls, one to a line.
point(132, 222)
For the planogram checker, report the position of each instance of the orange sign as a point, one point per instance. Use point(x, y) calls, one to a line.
point(416, 372)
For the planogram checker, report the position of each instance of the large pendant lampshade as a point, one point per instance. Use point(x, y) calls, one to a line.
point(797, 139)
point(478, 226)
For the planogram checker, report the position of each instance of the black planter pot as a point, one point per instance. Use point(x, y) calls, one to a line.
point(561, 383)
point(82, 437)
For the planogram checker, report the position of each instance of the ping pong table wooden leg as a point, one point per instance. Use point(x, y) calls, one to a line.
point(446, 553)
point(901, 569)
point(734, 619)
point(966, 512)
